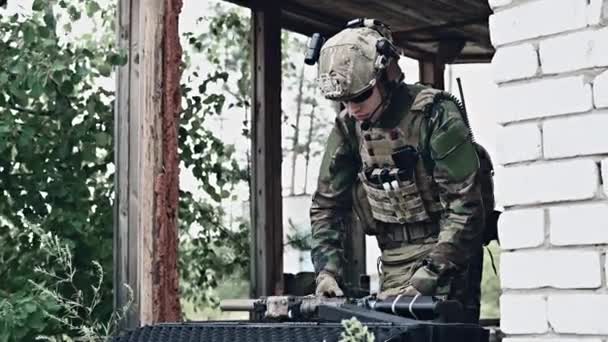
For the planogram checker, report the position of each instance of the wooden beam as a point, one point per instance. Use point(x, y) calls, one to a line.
point(148, 101)
point(432, 69)
point(145, 245)
point(167, 306)
point(431, 72)
point(266, 199)
point(121, 178)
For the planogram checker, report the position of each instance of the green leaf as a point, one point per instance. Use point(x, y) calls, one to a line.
point(38, 5)
point(36, 90)
point(103, 139)
point(49, 20)
point(67, 87)
point(105, 69)
point(115, 59)
point(3, 78)
point(29, 34)
point(58, 66)
point(88, 53)
point(44, 32)
point(92, 7)
point(74, 13)
point(30, 307)
point(67, 27)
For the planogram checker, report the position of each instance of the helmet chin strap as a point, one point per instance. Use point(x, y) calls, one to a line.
point(386, 99)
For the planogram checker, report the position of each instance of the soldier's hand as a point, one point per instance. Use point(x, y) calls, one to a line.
point(410, 291)
point(327, 285)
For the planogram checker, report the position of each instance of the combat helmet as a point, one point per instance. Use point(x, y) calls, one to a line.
point(355, 59)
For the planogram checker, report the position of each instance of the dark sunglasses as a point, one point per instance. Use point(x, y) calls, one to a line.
point(363, 96)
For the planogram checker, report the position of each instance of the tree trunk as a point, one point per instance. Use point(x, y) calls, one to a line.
point(296, 133)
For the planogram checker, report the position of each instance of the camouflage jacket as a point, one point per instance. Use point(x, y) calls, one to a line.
point(455, 173)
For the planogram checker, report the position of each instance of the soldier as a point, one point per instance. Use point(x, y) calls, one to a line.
point(401, 157)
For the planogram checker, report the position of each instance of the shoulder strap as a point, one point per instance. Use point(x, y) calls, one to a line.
point(346, 125)
point(424, 99)
point(424, 103)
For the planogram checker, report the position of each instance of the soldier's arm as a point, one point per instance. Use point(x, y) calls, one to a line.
point(456, 166)
point(332, 201)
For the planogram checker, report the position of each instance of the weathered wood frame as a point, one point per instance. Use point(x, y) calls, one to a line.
point(145, 233)
point(266, 200)
point(136, 155)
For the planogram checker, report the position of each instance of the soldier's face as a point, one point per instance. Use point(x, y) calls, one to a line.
point(363, 108)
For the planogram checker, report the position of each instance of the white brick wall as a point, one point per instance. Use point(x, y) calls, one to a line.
point(578, 313)
point(551, 67)
point(521, 228)
point(533, 322)
point(544, 98)
point(606, 268)
point(515, 62)
point(495, 4)
point(578, 50)
point(600, 90)
point(577, 135)
point(535, 269)
point(597, 12)
point(519, 142)
point(548, 182)
point(582, 224)
point(537, 18)
point(605, 175)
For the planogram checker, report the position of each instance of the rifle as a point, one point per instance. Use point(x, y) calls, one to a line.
point(399, 309)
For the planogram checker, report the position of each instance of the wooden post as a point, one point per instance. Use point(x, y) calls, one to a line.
point(431, 72)
point(145, 156)
point(266, 199)
point(432, 68)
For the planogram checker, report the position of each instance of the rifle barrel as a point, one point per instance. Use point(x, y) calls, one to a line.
point(237, 304)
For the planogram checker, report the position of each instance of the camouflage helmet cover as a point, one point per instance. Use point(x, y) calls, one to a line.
point(347, 63)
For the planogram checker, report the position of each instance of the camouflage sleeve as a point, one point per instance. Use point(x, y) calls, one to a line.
point(332, 201)
point(456, 166)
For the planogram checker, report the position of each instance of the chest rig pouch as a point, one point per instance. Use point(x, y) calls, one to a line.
point(394, 183)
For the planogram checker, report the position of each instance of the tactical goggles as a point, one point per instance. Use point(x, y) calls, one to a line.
point(363, 96)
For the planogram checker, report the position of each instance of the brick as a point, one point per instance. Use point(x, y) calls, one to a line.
point(575, 136)
point(597, 12)
point(579, 224)
point(519, 142)
point(549, 182)
point(578, 313)
point(536, 269)
point(523, 314)
point(600, 90)
point(514, 62)
point(524, 21)
point(521, 228)
point(494, 4)
point(544, 98)
point(579, 50)
point(605, 175)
